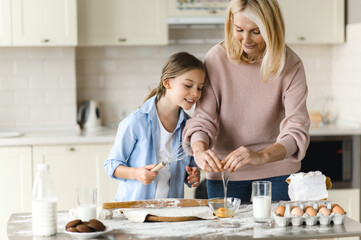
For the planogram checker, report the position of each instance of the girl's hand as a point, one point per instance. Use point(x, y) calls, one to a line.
point(208, 161)
point(242, 156)
point(194, 176)
point(144, 175)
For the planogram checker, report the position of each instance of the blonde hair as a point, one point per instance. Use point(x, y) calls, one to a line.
point(176, 65)
point(266, 14)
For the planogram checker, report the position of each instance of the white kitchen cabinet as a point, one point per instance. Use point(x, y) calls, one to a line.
point(5, 23)
point(73, 166)
point(44, 23)
point(314, 21)
point(348, 199)
point(16, 183)
point(121, 22)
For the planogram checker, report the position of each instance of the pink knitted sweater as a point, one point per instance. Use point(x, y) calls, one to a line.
point(238, 108)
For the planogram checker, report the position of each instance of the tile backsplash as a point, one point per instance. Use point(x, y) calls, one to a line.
point(37, 87)
point(44, 86)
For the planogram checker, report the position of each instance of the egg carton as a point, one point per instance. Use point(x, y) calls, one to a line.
point(289, 219)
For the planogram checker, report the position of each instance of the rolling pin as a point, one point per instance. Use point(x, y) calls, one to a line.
point(157, 203)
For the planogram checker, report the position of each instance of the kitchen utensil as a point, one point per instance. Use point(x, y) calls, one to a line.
point(151, 218)
point(10, 134)
point(89, 115)
point(224, 207)
point(157, 203)
point(88, 235)
point(177, 154)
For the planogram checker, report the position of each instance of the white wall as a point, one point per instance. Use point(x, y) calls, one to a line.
point(346, 75)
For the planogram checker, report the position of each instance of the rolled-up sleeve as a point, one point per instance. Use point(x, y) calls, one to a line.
point(124, 142)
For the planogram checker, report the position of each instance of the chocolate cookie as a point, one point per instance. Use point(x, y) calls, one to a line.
point(83, 228)
point(71, 229)
point(96, 225)
point(73, 223)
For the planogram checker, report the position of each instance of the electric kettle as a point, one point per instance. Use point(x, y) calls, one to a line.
point(89, 115)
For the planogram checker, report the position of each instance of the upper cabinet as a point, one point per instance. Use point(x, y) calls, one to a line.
point(314, 21)
point(38, 23)
point(5, 23)
point(121, 22)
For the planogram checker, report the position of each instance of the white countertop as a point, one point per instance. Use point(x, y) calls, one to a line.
point(241, 226)
point(60, 136)
point(335, 130)
point(72, 135)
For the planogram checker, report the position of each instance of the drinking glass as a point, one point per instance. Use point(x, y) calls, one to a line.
point(87, 203)
point(261, 198)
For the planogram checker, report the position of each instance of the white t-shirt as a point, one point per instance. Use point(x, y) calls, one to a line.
point(165, 149)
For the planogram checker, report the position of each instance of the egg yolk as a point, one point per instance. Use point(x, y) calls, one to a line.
point(222, 212)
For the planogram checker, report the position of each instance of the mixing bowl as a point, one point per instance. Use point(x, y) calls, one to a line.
point(224, 208)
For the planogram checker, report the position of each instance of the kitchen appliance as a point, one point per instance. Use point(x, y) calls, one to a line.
point(89, 115)
point(197, 12)
point(333, 156)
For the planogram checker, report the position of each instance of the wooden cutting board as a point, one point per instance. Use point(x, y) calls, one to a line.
point(151, 218)
point(158, 203)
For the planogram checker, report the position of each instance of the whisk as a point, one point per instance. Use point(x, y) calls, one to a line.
point(177, 154)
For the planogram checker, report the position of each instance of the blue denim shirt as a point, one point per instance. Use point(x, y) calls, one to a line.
point(136, 145)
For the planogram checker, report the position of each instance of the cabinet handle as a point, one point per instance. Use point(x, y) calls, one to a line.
point(301, 38)
point(45, 40)
point(122, 39)
point(71, 149)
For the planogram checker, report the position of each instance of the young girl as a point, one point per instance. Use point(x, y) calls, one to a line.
point(148, 135)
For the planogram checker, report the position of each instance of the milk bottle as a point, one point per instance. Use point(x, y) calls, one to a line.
point(44, 204)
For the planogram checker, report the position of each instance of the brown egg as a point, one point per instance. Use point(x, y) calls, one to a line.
point(280, 210)
point(296, 211)
point(324, 211)
point(311, 211)
point(338, 209)
point(321, 206)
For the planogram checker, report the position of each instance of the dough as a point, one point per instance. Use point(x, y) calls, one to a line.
point(139, 214)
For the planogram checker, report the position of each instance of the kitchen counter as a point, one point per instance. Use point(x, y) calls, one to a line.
point(60, 136)
point(70, 135)
point(241, 226)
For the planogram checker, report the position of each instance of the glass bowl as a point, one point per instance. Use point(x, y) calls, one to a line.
point(222, 209)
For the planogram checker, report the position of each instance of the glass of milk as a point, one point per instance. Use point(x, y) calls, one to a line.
point(87, 203)
point(261, 198)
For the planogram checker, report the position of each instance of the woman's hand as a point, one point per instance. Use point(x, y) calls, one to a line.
point(205, 158)
point(242, 156)
point(144, 175)
point(208, 161)
point(194, 176)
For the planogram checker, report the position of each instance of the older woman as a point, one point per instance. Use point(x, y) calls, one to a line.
point(252, 118)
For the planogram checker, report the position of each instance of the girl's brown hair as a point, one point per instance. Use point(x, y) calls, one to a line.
point(176, 65)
